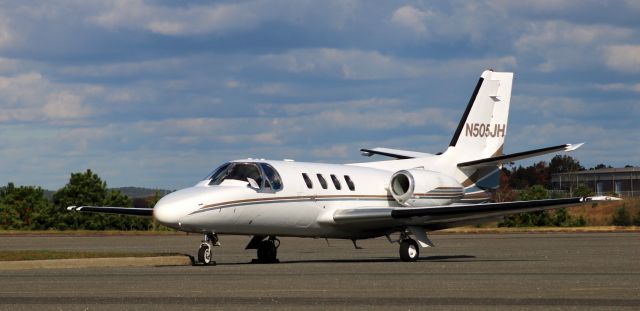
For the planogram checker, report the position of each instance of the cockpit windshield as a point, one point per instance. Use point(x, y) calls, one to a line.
point(264, 174)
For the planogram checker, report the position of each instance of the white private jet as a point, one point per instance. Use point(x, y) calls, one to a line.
point(410, 194)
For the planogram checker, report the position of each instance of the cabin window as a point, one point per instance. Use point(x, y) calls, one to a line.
point(350, 183)
point(272, 180)
point(322, 181)
point(307, 180)
point(336, 182)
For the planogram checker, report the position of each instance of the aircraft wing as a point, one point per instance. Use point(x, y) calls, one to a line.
point(113, 210)
point(394, 153)
point(441, 217)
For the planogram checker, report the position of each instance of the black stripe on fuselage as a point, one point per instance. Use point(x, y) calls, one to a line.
point(257, 201)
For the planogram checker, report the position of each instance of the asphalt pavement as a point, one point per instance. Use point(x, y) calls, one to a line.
point(598, 271)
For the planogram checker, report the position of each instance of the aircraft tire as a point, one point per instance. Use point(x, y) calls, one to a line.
point(204, 254)
point(409, 250)
point(267, 251)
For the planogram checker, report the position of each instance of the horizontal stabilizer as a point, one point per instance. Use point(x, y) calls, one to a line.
point(113, 210)
point(394, 153)
point(499, 160)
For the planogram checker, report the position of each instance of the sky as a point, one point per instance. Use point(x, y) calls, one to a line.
point(158, 93)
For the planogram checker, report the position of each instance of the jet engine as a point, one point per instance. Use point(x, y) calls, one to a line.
point(418, 187)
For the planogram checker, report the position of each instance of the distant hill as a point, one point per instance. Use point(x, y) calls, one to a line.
point(138, 192)
point(131, 192)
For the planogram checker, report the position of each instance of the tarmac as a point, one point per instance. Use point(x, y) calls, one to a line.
point(532, 271)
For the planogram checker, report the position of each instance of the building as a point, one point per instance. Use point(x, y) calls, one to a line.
point(624, 182)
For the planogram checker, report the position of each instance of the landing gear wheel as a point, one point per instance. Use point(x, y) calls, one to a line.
point(268, 251)
point(409, 250)
point(204, 254)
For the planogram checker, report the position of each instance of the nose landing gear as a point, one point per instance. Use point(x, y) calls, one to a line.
point(204, 252)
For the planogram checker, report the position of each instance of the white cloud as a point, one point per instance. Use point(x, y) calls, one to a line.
point(623, 58)
point(6, 35)
point(412, 18)
point(145, 67)
point(217, 18)
point(233, 84)
point(561, 44)
point(373, 65)
point(608, 87)
point(557, 32)
point(332, 151)
point(32, 97)
point(550, 106)
point(347, 64)
point(65, 105)
point(272, 89)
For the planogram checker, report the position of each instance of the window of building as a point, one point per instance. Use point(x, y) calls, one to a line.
point(307, 180)
point(322, 181)
point(336, 182)
point(350, 183)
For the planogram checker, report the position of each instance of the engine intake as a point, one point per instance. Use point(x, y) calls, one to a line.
point(417, 187)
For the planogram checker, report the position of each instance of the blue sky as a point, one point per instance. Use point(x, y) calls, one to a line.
point(157, 93)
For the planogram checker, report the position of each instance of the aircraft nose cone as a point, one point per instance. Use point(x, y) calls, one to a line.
point(167, 213)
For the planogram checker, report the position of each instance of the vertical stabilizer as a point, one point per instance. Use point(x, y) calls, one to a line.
point(483, 127)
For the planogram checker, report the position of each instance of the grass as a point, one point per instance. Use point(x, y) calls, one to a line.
point(600, 214)
point(46, 254)
point(473, 229)
point(86, 232)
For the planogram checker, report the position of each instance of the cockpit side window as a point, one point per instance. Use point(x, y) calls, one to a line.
point(217, 173)
point(243, 172)
point(238, 171)
point(272, 179)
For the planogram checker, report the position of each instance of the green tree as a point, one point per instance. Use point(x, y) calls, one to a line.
point(563, 164)
point(561, 218)
point(536, 192)
point(24, 207)
point(636, 219)
point(532, 219)
point(583, 191)
point(621, 217)
point(600, 166)
point(88, 189)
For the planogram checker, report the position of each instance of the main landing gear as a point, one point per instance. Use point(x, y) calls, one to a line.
point(267, 250)
point(205, 256)
point(409, 250)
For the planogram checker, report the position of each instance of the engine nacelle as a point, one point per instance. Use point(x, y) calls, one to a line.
point(417, 187)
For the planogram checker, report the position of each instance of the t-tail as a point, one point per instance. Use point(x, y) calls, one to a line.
point(475, 154)
point(477, 144)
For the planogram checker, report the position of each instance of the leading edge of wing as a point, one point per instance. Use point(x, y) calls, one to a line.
point(483, 208)
point(113, 210)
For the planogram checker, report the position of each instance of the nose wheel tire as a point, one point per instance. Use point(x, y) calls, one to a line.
point(204, 254)
point(409, 250)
